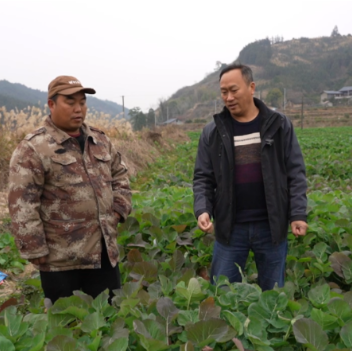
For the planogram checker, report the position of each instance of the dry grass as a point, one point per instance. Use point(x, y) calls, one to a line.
point(137, 149)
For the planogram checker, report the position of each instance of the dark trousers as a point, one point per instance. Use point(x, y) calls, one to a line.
point(91, 281)
point(256, 236)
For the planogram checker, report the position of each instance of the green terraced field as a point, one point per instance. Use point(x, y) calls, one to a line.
point(167, 302)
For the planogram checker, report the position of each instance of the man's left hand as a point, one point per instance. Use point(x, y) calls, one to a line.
point(299, 228)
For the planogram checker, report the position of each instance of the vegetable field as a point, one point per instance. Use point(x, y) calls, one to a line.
point(167, 301)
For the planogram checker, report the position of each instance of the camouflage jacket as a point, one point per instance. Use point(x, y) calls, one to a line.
point(62, 202)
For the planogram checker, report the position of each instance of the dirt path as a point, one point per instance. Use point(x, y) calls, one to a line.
point(10, 285)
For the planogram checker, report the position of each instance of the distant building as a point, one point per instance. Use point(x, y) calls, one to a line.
point(174, 121)
point(343, 93)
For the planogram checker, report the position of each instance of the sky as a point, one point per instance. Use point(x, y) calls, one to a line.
point(146, 50)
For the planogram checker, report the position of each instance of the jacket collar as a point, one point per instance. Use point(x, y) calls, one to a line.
point(61, 136)
point(268, 115)
point(263, 109)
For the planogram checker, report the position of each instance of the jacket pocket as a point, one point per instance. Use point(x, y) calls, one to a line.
point(66, 226)
point(103, 163)
point(65, 170)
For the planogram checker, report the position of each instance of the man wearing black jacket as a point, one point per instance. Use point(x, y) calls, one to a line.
point(250, 178)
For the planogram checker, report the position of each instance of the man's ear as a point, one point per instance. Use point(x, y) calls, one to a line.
point(252, 86)
point(51, 103)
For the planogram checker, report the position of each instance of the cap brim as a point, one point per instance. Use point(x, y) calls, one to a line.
point(74, 90)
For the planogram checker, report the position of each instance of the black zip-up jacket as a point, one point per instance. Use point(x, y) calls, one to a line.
point(283, 172)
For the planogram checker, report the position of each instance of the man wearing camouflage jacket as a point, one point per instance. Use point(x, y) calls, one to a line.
point(68, 189)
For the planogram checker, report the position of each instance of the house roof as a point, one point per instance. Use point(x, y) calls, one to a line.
point(345, 89)
point(331, 92)
point(168, 121)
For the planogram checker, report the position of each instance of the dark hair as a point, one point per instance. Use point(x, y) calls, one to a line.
point(246, 71)
point(54, 98)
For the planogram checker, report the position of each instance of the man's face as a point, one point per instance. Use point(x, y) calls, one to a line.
point(236, 93)
point(68, 112)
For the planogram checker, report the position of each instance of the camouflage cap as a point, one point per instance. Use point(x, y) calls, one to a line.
point(67, 85)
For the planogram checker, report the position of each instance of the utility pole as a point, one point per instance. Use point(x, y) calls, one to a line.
point(302, 114)
point(123, 106)
point(284, 99)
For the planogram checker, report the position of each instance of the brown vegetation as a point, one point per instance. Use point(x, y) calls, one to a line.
point(137, 149)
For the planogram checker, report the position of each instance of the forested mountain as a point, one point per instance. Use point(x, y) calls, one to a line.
point(15, 95)
point(300, 66)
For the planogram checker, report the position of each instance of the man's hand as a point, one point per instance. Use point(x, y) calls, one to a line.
point(38, 261)
point(299, 228)
point(205, 224)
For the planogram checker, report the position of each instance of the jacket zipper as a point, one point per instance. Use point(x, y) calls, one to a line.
point(268, 141)
point(226, 141)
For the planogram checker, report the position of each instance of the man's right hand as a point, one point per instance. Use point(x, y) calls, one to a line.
point(38, 261)
point(205, 224)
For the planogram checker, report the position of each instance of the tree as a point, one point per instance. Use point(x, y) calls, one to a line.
point(138, 118)
point(162, 110)
point(150, 118)
point(218, 65)
point(274, 97)
point(335, 32)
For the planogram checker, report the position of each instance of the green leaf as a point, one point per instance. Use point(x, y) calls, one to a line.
point(38, 342)
point(166, 285)
point(67, 303)
point(246, 292)
point(146, 270)
point(6, 345)
point(311, 334)
point(193, 291)
point(348, 298)
point(153, 344)
point(273, 301)
point(130, 226)
point(58, 331)
point(86, 298)
point(255, 331)
point(187, 316)
point(340, 309)
point(62, 343)
point(94, 345)
point(206, 331)
point(341, 264)
point(117, 331)
point(150, 329)
point(320, 295)
point(326, 321)
point(134, 256)
point(156, 330)
point(319, 251)
point(167, 309)
point(119, 344)
point(194, 288)
point(255, 310)
point(59, 320)
point(93, 322)
point(101, 301)
point(208, 309)
point(234, 321)
point(346, 334)
point(177, 261)
point(188, 346)
point(13, 322)
point(293, 306)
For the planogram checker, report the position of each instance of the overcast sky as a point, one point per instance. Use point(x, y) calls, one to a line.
point(146, 49)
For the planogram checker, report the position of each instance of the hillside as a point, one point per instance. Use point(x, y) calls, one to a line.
point(15, 95)
point(301, 66)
